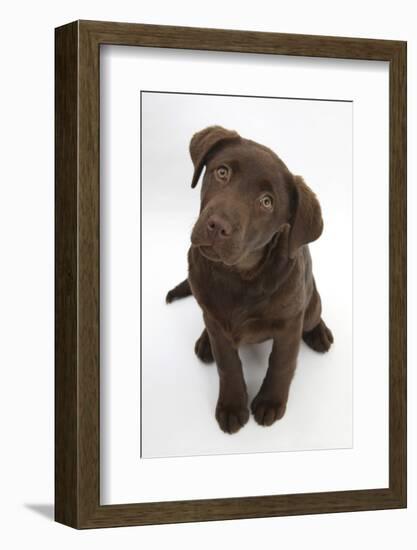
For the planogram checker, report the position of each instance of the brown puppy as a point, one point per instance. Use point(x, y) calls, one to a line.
point(250, 270)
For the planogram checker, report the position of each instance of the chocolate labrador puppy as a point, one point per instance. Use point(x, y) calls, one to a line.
point(250, 270)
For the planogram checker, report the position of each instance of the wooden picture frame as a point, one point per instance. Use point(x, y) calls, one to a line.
point(77, 372)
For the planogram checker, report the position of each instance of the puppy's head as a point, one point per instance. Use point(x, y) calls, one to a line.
point(248, 196)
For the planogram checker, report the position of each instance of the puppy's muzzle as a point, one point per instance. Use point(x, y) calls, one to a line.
point(218, 229)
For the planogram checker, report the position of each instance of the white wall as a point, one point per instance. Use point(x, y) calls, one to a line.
point(26, 276)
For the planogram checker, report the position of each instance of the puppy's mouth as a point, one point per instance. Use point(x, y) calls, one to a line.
point(225, 252)
point(209, 253)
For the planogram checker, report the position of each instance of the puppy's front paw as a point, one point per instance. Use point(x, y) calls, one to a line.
point(266, 410)
point(231, 418)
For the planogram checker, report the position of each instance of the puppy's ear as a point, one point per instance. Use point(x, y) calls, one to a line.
point(306, 222)
point(203, 142)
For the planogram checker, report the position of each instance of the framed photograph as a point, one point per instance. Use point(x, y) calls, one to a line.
point(230, 274)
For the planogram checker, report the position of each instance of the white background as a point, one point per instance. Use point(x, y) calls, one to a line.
point(314, 138)
point(124, 478)
point(26, 295)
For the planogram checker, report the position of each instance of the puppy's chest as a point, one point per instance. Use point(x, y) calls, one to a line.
point(245, 313)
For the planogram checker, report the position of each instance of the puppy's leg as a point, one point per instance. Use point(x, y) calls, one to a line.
point(180, 291)
point(231, 410)
point(315, 332)
point(203, 348)
point(271, 401)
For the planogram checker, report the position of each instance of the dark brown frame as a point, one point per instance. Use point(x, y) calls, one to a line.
point(77, 372)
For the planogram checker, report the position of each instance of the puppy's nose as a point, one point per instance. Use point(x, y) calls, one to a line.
point(218, 227)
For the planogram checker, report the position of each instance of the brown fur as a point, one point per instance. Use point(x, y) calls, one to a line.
point(250, 270)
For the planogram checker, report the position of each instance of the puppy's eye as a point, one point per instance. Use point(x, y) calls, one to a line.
point(222, 172)
point(266, 202)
